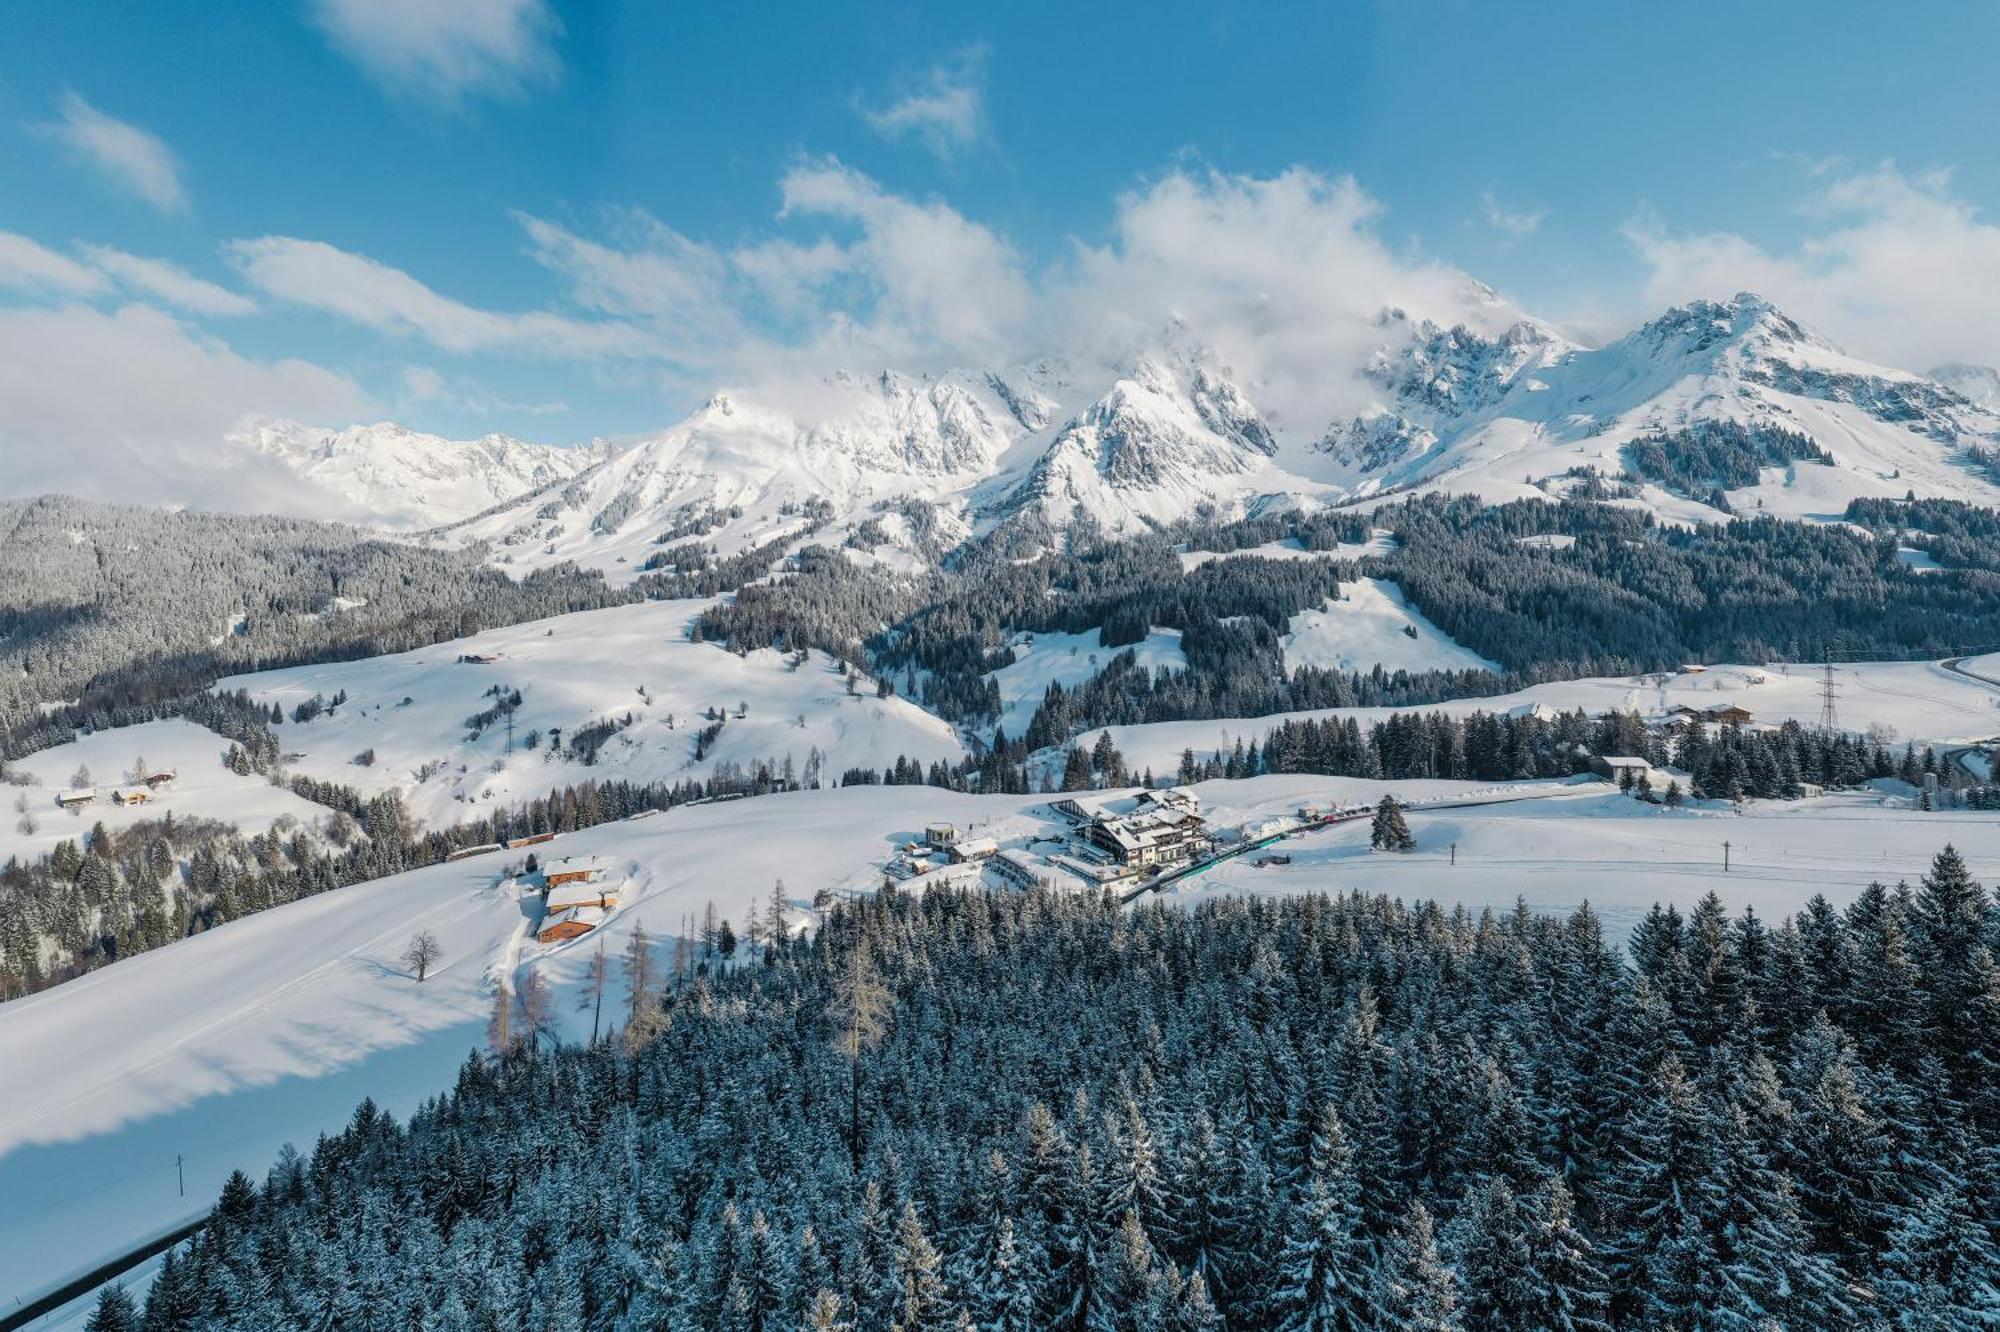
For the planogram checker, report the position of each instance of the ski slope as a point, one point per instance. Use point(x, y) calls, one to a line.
point(204, 788)
point(1374, 625)
point(411, 710)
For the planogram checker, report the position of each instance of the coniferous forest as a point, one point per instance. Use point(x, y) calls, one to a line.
point(1034, 1111)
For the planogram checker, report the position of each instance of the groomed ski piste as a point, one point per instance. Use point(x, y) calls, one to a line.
point(217, 1050)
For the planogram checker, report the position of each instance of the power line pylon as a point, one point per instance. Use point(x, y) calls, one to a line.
point(1829, 714)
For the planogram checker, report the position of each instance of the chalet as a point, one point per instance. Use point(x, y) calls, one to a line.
point(1083, 809)
point(1728, 714)
point(1694, 668)
point(477, 658)
point(1150, 837)
point(972, 849)
point(135, 795)
point(156, 780)
point(1616, 766)
point(940, 835)
point(575, 896)
point(483, 848)
point(571, 871)
point(1171, 798)
point(71, 799)
point(536, 839)
point(570, 924)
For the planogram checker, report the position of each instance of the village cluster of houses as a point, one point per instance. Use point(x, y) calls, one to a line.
point(138, 793)
point(1111, 839)
point(577, 898)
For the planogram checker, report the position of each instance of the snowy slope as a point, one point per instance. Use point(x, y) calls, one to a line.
point(204, 788)
point(1373, 625)
point(384, 475)
point(571, 671)
point(1041, 660)
point(220, 1048)
point(1916, 701)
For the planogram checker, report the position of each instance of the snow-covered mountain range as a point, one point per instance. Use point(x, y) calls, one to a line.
point(393, 477)
point(905, 466)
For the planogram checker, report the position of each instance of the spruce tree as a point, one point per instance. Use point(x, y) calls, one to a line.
point(1389, 831)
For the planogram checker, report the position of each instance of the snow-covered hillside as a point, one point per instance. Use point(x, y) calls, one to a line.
point(411, 715)
point(1041, 660)
point(32, 822)
point(1374, 625)
point(217, 1050)
point(1909, 701)
point(384, 475)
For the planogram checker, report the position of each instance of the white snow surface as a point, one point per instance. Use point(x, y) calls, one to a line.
point(1368, 627)
point(1069, 659)
point(388, 476)
point(1916, 701)
point(572, 670)
point(220, 1048)
point(204, 788)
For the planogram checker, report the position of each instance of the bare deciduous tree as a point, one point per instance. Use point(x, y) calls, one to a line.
point(422, 953)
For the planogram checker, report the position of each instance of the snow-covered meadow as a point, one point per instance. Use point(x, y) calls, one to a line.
point(410, 712)
point(32, 823)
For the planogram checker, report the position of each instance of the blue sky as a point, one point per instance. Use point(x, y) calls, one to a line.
point(562, 220)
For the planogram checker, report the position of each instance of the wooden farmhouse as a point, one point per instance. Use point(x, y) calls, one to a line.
point(571, 871)
point(136, 795)
point(70, 799)
point(570, 924)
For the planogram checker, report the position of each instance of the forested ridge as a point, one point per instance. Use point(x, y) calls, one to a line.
point(1039, 1111)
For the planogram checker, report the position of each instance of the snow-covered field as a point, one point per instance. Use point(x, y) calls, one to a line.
point(411, 710)
point(1381, 543)
point(219, 1049)
point(1370, 626)
point(204, 788)
point(1069, 659)
point(1918, 701)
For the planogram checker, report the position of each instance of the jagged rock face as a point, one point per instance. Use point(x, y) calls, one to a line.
point(1371, 443)
point(1450, 372)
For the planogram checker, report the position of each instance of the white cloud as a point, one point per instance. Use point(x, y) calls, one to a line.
point(132, 405)
point(1285, 276)
point(32, 268)
point(355, 287)
point(944, 109)
point(134, 159)
point(1515, 222)
point(442, 51)
point(1896, 268)
point(424, 385)
point(168, 282)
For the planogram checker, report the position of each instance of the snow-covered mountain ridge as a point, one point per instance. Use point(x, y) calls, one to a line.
point(389, 476)
point(900, 467)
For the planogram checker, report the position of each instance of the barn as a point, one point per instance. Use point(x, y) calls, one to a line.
point(570, 924)
point(567, 870)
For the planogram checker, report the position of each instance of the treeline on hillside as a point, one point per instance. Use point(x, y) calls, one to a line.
point(128, 611)
point(1723, 762)
point(1042, 1112)
point(1626, 596)
point(1708, 457)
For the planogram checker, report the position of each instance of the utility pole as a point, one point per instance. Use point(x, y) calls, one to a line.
point(1725, 857)
point(1454, 853)
point(180, 1175)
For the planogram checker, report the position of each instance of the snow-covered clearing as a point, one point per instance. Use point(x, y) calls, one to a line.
point(220, 1048)
point(1918, 701)
point(1069, 659)
point(1371, 626)
point(204, 788)
point(412, 710)
point(1381, 543)
point(1623, 855)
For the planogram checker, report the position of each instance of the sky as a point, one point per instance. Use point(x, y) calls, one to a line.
point(566, 221)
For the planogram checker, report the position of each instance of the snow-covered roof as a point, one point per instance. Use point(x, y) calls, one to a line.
point(589, 917)
point(565, 896)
